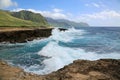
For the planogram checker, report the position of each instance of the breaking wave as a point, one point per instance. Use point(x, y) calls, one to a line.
point(62, 48)
point(59, 55)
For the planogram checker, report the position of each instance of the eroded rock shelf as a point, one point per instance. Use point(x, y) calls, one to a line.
point(104, 69)
point(21, 35)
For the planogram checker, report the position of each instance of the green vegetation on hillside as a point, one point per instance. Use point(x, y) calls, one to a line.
point(28, 15)
point(7, 20)
point(29, 19)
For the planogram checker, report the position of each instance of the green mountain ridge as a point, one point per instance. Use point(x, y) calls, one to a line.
point(8, 19)
point(28, 15)
point(65, 23)
point(26, 18)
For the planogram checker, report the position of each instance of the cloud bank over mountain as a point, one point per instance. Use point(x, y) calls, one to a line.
point(102, 18)
point(93, 12)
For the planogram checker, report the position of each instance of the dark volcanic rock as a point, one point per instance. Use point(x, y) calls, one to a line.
point(25, 35)
point(104, 69)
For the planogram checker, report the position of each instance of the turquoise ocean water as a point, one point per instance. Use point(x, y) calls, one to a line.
point(62, 48)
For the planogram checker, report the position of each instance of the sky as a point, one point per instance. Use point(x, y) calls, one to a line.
point(93, 12)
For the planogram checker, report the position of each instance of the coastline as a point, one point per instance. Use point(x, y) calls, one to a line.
point(21, 35)
point(104, 69)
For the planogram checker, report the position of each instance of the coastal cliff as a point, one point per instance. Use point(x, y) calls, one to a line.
point(23, 35)
point(104, 69)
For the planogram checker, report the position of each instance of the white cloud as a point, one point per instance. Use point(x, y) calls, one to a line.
point(18, 9)
point(54, 13)
point(108, 14)
point(103, 18)
point(7, 3)
point(97, 5)
point(107, 17)
point(57, 10)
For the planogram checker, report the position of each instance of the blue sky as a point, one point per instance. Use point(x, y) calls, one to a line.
point(94, 12)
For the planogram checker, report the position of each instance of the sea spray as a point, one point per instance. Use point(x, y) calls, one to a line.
point(61, 56)
point(62, 48)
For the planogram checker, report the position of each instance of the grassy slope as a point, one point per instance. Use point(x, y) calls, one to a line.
point(7, 20)
point(28, 15)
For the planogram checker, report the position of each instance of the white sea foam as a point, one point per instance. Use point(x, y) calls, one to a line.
point(60, 56)
point(65, 36)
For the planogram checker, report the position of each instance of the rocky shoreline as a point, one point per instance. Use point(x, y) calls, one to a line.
point(24, 35)
point(104, 69)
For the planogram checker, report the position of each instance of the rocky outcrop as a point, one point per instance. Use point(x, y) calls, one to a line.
point(12, 73)
point(104, 69)
point(89, 70)
point(24, 35)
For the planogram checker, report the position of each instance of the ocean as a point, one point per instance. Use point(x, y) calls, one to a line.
point(62, 48)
